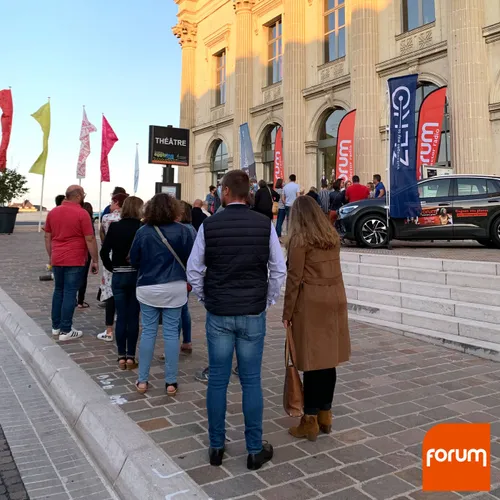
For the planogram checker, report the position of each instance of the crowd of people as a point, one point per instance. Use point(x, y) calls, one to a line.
point(226, 250)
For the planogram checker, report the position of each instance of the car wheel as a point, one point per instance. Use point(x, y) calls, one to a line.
point(495, 232)
point(485, 242)
point(372, 231)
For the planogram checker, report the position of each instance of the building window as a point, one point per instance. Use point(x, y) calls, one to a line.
point(218, 161)
point(334, 29)
point(327, 145)
point(268, 153)
point(417, 13)
point(275, 53)
point(444, 156)
point(220, 80)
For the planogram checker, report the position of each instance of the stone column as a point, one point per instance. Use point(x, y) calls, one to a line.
point(243, 71)
point(186, 31)
point(471, 139)
point(365, 87)
point(294, 81)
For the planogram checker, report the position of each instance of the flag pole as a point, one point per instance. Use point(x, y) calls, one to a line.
point(136, 149)
point(41, 197)
point(388, 169)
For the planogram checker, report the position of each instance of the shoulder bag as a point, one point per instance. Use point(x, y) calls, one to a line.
point(275, 203)
point(293, 392)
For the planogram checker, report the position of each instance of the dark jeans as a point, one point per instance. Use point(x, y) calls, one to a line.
point(127, 312)
point(246, 334)
point(319, 386)
point(280, 220)
point(185, 324)
point(110, 309)
point(67, 281)
point(83, 286)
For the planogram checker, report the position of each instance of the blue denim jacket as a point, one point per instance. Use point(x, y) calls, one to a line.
point(153, 259)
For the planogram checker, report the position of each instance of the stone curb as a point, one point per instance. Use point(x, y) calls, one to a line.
point(136, 467)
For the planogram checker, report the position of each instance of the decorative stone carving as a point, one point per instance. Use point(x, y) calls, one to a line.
point(425, 39)
point(217, 113)
point(186, 32)
point(271, 94)
point(324, 75)
point(406, 45)
point(243, 4)
point(331, 72)
point(418, 41)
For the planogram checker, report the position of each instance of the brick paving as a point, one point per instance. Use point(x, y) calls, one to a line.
point(11, 484)
point(390, 393)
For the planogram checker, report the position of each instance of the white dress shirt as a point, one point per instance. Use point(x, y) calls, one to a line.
point(277, 268)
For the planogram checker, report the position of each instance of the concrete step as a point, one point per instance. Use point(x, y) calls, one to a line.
point(423, 303)
point(436, 277)
point(431, 290)
point(468, 345)
point(402, 317)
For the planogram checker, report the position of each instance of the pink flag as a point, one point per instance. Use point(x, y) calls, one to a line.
point(87, 129)
point(108, 141)
point(6, 122)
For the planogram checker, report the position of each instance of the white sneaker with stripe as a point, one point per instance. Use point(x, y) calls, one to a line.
point(73, 334)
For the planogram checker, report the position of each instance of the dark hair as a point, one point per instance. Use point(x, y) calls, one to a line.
point(119, 199)
point(324, 183)
point(211, 188)
point(262, 183)
point(293, 177)
point(186, 212)
point(238, 184)
point(377, 178)
point(59, 199)
point(88, 207)
point(279, 184)
point(355, 178)
point(336, 185)
point(161, 209)
point(118, 190)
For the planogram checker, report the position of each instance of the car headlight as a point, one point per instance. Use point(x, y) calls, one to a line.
point(347, 210)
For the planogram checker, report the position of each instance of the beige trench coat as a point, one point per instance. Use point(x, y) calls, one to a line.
point(316, 304)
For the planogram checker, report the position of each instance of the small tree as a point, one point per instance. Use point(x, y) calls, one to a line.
point(12, 185)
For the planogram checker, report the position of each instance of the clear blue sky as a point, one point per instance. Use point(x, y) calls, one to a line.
point(118, 57)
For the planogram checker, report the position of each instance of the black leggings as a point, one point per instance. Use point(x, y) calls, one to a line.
point(83, 287)
point(110, 311)
point(319, 386)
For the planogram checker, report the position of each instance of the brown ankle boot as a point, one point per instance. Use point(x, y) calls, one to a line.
point(325, 421)
point(308, 428)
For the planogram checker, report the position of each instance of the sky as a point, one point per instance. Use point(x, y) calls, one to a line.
point(117, 57)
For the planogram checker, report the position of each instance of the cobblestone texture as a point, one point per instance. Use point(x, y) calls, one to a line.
point(388, 395)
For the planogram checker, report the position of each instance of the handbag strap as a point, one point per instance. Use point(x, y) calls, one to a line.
point(289, 348)
point(169, 246)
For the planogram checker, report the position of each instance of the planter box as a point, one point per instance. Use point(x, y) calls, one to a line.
point(7, 219)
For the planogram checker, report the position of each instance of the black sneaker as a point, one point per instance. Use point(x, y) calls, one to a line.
point(202, 376)
point(256, 460)
point(216, 455)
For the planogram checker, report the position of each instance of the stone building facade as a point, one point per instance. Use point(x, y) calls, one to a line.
point(302, 64)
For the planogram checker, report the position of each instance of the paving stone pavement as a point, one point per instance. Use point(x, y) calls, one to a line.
point(39, 458)
point(390, 393)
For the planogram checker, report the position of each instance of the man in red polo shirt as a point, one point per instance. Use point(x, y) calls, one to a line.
point(356, 191)
point(69, 237)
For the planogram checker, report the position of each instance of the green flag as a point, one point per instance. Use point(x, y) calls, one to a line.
point(42, 116)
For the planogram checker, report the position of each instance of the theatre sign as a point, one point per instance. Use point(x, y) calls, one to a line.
point(168, 145)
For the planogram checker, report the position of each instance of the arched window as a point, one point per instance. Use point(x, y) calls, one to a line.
point(218, 161)
point(327, 145)
point(444, 156)
point(268, 152)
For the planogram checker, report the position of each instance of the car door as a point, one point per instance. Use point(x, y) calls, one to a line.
point(436, 219)
point(471, 205)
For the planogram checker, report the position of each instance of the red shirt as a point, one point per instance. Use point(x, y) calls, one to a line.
point(357, 192)
point(69, 224)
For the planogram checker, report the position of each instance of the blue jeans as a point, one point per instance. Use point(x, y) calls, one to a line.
point(280, 220)
point(185, 324)
point(127, 313)
point(67, 281)
point(150, 318)
point(246, 333)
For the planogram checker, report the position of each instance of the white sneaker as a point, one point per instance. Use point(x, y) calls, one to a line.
point(55, 333)
point(104, 336)
point(73, 334)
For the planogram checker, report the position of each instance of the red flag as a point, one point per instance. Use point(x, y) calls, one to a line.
point(279, 172)
point(108, 141)
point(430, 123)
point(7, 111)
point(345, 147)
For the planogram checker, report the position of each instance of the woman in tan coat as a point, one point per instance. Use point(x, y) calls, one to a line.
point(316, 308)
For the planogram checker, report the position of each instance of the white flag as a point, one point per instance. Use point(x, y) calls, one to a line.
point(136, 172)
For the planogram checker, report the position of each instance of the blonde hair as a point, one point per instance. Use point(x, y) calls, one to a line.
point(132, 208)
point(309, 227)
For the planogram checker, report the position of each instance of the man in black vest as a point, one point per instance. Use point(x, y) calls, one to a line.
point(236, 269)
